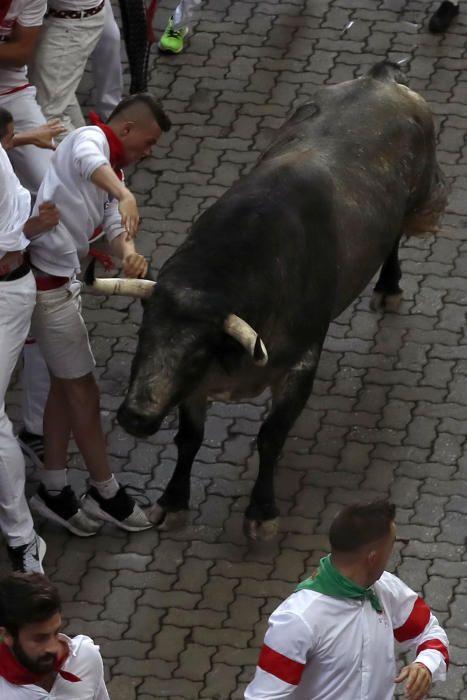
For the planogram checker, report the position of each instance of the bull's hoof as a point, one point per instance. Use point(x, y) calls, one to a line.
point(380, 301)
point(258, 531)
point(168, 520)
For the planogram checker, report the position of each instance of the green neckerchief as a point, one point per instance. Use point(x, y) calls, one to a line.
point(330, 581)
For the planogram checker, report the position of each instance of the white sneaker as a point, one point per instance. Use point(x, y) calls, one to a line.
point(28, 557)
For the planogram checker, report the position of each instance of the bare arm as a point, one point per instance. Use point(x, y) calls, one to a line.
point(41, 136)
point(105, 178)
point(134, 264)
point(19, 49)
point(47, 218)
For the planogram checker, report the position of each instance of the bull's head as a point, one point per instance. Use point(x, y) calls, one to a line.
point(175, 348)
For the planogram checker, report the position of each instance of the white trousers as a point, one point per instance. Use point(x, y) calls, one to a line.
point(17, 300)
point(183, 13)
point(106, 64)
point(59, 64)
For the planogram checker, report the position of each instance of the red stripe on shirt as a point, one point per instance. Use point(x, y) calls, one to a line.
point(437, 646)
point(415, 623)
point(280, 666)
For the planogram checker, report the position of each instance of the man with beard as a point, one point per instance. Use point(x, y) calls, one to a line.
point(36, 660)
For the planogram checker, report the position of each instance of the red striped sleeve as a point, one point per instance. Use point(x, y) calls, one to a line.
point(280, 666)
point(415, 623)
point(437, 646)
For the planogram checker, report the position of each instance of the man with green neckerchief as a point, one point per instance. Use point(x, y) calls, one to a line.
point(333, 638)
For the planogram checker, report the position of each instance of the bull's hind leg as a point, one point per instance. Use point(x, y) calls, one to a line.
point(387, 294)
point(261, 515)
point(172, 509)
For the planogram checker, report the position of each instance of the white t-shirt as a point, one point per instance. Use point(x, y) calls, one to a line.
point(318, 647)
point(15, 207)
point(72, 5)
point(82, 205)
point(84, 661)
point(27, 13)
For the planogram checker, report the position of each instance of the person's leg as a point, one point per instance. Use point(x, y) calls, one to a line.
point(135, 33)
point(106, 66)
point(74, 404)
point(60, 61)
point(179, 24)
point(16, 305)
point(441, 20)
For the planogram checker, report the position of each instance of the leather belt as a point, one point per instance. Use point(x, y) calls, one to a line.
point(16, 274)
point(75, 14)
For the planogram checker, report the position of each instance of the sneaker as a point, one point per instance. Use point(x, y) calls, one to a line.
point(172, 39)
point(64, 509)
point(122, 510)
point(32, 446)
point(28, 558)
point(443, 17)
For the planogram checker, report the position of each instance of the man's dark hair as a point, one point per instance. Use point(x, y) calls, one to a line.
point(360, 524)
point(6, 118)
point(26, 598)
point(149, 101)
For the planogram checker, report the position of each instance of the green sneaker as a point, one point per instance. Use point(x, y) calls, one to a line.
point(172, 39)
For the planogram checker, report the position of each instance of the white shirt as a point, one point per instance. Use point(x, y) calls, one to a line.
point(15, 207)
point(27, 13)
point(84, 661)
point(322, 648)
point(72, 5)
point(82, 205)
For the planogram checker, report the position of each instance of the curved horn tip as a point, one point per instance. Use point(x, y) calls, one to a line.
point(260, 354)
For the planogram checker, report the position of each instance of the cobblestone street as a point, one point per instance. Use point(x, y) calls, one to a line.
point(181, 615)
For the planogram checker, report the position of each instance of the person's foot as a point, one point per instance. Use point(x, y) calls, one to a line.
point(28, 557)
point(172, 40)
point(121, 510)
point(442, 18)
point(65, 510)
point(32, 446)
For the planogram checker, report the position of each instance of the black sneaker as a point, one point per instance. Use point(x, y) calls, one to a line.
point(122, 510)
point(64, 509)
point(28, 558)
point(442, 18)
point(32, 446)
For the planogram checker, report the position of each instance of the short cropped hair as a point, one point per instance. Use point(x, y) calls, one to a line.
point(360, 524)
point(26, 598)
point(6, 118)
point(146, 99)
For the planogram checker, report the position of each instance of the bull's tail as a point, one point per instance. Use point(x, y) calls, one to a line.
point(426, 218)
point(386, 70)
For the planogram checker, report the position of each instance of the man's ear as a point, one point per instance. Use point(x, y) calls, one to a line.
point(372, 557)
point(5, 637)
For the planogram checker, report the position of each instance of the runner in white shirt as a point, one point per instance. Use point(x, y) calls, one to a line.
point(333, 639)
point(17, 299)
point(82, 181)
point(37, 661)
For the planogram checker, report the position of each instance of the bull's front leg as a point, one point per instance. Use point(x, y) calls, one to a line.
point(289, 399)
point(172, 509)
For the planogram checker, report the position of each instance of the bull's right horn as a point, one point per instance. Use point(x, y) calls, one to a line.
point(248, 337)
point(120, 286)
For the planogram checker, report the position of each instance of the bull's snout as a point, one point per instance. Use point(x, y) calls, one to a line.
point(136, 423)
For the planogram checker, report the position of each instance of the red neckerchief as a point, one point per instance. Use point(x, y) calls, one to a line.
point(4, 7)
point(13, 672)
point(117, 151)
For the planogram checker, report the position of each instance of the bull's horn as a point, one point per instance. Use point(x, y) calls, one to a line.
point(121, 286)
point(248, 337)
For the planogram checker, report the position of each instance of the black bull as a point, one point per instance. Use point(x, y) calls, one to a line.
point(287, 248)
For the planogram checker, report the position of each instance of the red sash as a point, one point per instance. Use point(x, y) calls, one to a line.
point(13, 672)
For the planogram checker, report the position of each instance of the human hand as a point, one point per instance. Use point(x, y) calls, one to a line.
point(43, 136)
point(130, 215)
point(48, 216)
point(418, 679)
point(135, 265)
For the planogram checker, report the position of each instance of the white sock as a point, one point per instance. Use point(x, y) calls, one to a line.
point(54, 480)
point(107, 488)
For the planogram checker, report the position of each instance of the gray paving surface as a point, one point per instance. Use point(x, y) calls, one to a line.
point(182, 615)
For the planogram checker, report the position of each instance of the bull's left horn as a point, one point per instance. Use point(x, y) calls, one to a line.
point(121, 286)
point(248, 337)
